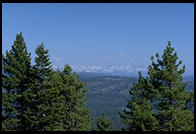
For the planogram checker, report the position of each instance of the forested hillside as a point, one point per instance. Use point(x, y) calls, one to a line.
point(109, 93)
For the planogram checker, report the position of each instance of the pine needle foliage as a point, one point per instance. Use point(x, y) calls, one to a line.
point(160, 101)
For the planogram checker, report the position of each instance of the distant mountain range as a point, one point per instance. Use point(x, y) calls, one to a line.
point(189, 78)
point(130, 71)
point(111, 70)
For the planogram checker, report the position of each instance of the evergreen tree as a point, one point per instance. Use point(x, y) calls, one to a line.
point(160, 101)
point(65, 103)
point(15, 85)
point(77, 114)
point(54, 107)
point(40, 76)
point(103, 124)
point(139, 115)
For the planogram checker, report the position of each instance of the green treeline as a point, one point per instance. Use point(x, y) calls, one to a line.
point(35, 97)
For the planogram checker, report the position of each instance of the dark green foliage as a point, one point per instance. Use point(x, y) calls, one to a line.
point(103, 124)
point(53, 109)
point(40, 75)
point(43, 66)
point(139, 115)
point(78, 115)
point(15, 85)
point(64, 107)
point(160, 101)
point(36, 97)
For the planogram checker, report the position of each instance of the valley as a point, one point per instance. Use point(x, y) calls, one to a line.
point(109, 94)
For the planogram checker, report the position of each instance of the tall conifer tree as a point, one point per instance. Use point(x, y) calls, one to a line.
point(65, 103)
point(77, 114)
point(15, 84)
point(40, 76)
point(160, 101)
point(53, 109)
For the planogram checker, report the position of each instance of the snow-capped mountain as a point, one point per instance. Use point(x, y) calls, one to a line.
point(111, 70)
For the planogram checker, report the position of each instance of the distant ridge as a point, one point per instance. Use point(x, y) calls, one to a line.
point(189, 78)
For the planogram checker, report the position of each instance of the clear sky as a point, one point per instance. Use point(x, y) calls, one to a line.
point(117, 34)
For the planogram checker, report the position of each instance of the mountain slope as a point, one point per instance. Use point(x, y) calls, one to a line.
point(109, 94)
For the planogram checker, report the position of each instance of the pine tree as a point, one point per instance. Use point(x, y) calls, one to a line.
point(139, 115)
point(54, 107)
point(160, 101)
point(65, 103)
point(174, 115)
point(15, 83)
point(103, 124)
point(40, 76)
point(77, 114)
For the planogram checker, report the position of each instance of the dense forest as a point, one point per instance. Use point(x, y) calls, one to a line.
point(38, 98)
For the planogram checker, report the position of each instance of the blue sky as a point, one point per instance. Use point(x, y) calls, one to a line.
point(118, 34)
